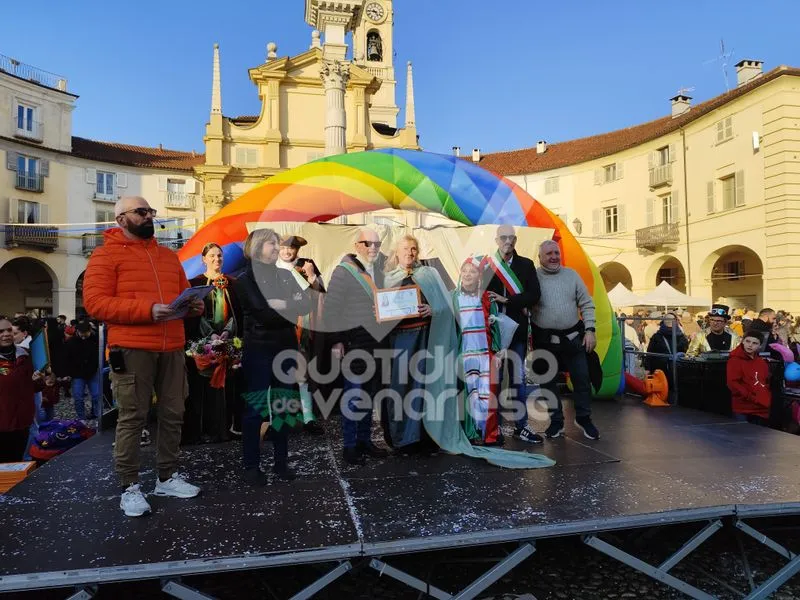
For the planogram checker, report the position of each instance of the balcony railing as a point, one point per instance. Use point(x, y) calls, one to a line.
point(28, 130)
point(31, 235)
point(658, 235)
point(19, 69)
point(661, 175)
point(91, 241)
point(179, 200)
point(31, 182)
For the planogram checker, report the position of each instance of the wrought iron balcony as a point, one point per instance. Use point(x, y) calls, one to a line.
point(33, 236)
point(28, 130)
point(179, 200)
point(661, 175)
point(658, 235)
point(31, 182)
point(19, 69)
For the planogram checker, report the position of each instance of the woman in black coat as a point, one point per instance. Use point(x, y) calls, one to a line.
point(213, 414)
point(661, 342)
point(272, 300)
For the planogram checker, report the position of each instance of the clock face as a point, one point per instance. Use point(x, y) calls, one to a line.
point(374, 11)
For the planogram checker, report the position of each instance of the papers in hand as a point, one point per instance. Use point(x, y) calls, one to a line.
point(182, 303)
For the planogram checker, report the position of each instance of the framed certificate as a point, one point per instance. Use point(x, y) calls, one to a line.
point(397, 303)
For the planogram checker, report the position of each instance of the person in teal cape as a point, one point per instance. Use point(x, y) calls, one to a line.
point(443, 401)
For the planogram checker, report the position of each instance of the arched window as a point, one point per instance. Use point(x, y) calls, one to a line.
point(374, 46)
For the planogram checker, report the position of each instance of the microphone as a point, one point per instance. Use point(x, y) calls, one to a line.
point(160, 224)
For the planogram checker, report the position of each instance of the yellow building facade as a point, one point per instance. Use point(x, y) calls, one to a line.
point(299, 110)
point(707, 198)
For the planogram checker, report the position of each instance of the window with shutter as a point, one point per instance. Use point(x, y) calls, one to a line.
point(724, 129)
point(596, 221)
point(620, 172)
point(739, 200)
point(676, 207)
point(720, 132)
point(728, 128)
point(11, 160)
point(91, 176)
point(666, 209)
point(122, 180)
point(728, 192)
point(621, 222)
point(672, 153)
point(650, 211)
point(551, 185)
point(610, 173)
point(710, 197)
point(662, 156)
point(610, 219)
point(598, 176)
point(44, 168)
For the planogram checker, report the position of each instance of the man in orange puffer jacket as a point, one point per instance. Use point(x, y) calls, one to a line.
point(129, 283)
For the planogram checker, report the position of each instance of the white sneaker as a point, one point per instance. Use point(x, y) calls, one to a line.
point(176, 486)
point(133, 503)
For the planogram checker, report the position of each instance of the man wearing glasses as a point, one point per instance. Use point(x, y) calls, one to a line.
point(718, 338)
point(513, 285)
point(129, 283)
point(350, 321)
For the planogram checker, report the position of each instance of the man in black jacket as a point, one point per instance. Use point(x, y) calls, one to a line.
point(81, 358)
point(765, 325)
point(512, 283)
point(351, 324)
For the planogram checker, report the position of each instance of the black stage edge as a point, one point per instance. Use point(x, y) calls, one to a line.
point(62, 527)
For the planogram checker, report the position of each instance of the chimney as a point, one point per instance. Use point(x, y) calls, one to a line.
point(161, 147)
point(680, 104)
point(541, 147)
point(456, 150)
point(747, 70)
point(476, 155)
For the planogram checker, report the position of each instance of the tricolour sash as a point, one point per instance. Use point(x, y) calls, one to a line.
point(505, 274)
point(362, 278)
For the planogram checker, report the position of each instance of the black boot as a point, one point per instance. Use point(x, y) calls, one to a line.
point(255, 476)
point(370, 449)
point(353, 456)
point(285, 474)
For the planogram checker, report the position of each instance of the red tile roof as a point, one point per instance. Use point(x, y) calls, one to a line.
point(135, 156)
point(518, 162)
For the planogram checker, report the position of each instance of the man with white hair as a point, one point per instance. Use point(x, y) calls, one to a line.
point(351, 323)
point(129, 283)
point(513, 286)
point(564, 325)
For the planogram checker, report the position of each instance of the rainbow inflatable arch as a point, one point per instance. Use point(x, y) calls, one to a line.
point(405, 180)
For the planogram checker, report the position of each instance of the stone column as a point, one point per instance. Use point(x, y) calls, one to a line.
point(335, 75)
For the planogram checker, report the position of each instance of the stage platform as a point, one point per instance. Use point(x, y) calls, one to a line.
point(62, 527)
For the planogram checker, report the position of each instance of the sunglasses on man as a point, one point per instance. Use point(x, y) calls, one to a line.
point(142, 212)
point(506, 238)
point(373, 244)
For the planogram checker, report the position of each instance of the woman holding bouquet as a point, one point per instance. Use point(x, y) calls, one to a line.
point(272, 301)
point(213, 413)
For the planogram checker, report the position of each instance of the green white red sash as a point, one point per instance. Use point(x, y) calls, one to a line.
point(362, 277)
point(504, 273)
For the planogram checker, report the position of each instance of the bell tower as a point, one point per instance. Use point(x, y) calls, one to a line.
point(373, 50)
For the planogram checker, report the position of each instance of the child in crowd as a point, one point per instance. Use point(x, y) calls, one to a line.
point(748, 381)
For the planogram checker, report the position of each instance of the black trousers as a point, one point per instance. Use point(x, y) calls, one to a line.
point(12, 445)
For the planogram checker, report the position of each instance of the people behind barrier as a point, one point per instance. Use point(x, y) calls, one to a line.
point(749, 381)
point(718, 337)
point(667, 340)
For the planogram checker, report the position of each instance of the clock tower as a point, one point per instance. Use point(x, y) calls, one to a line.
point(373, 50)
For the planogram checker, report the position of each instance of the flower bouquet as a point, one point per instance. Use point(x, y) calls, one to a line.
point(214, 355)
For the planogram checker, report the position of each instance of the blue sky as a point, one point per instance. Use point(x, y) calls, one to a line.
point(496, 75)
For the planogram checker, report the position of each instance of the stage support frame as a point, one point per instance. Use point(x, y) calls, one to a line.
point(661, 572)
point(783, 575)
point(323, 582)
point(503, 567)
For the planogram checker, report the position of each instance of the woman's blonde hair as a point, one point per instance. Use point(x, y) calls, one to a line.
point(254, 243)
point(392, 263)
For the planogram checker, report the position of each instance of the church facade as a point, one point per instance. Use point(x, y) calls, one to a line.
point(313, 104)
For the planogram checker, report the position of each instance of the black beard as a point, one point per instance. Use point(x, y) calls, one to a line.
point(144, 231)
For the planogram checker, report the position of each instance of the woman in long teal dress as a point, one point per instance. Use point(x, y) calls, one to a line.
point(443, 404)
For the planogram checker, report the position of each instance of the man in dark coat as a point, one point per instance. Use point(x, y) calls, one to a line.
point(512, 283)
point(352, 326)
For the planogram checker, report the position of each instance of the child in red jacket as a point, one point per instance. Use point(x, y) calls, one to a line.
point(748, 381)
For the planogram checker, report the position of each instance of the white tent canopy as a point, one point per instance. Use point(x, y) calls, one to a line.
point(666, 295)
point(622, 296)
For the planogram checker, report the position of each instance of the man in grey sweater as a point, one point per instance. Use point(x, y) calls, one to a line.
point(563, 324)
